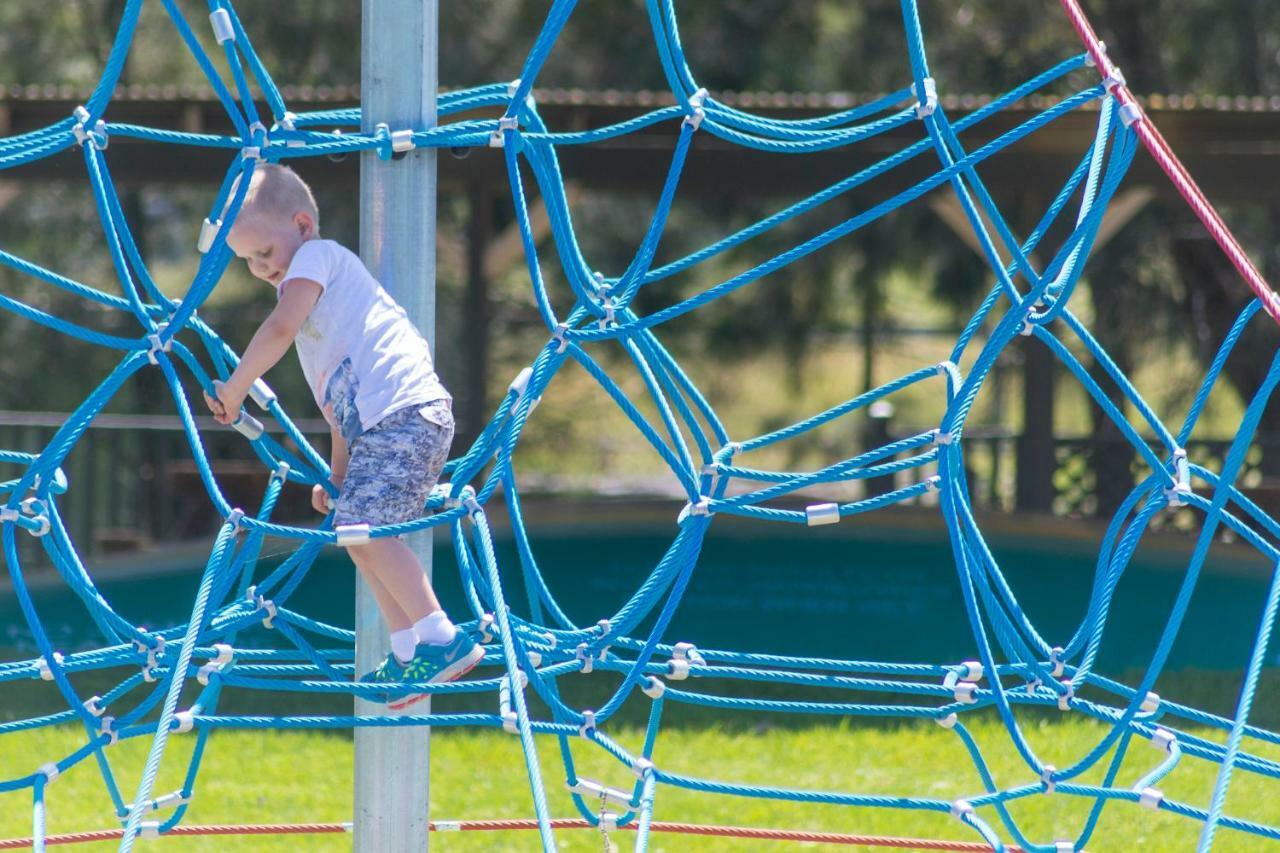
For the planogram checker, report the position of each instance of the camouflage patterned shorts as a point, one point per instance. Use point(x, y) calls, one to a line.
point(394, 465)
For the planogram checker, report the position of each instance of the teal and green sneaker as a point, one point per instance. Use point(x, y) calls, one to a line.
point(435, 664)
point(387, 674)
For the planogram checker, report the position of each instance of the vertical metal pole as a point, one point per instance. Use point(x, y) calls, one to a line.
point(398, 82)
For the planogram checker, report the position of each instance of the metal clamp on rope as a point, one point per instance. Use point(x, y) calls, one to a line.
point(513, 87)
point(973, 671)
point(252, 152)
point(288, 123)
point(520, 384)
point(248, 426)
point(352, 534)
point(98, 135)
point(208, 232)
point(281, 474)
point(702, 507)
point(498, 139)
point(204, 673)
point(486, 628)
point(58, 485)
point(588, 660)
point(1150, 703)
point(816, 515)
point(106, 726)
point(711, 470)
point(1114, 78)
point(225, 656)
point(158, 346)
point(451, 502)
point(730, 450)
point(258, 134)
point(1047, 778)
point(1064, 847)
point(402, 140)
point(642, 767)
point(697, 112)
point(609, 318)
point(1150, 798)
point(37, 513)
point(594, 790)
point(261, 604)
point(683, 655)
point(964, 692)
point(153, 657)
point(222, 29)
point(1131, 113)
point(1163, 739)
point(1028, 327)
point(558, 337)
point(942, 438)
point(961, 809)
point(50, 772)
point(510, 722)
point(1064, 699)
point(185, 720)
point(949, 721)
point(588, 726)
point(1055, 660)
point(654, 688)
point(929, 105)
point(46, 674)
point(1176, 494)
point(260, 392)
point(689, 652)
point(94, 706)
point(169, 800)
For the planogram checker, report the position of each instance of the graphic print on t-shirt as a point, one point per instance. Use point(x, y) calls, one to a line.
point(340, 400)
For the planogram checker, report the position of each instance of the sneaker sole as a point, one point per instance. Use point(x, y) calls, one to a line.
point(459, 668)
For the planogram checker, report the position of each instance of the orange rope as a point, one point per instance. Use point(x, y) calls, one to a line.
point(527, 824)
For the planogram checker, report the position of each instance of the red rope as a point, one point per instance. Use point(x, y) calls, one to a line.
point(1170, 164)
point(528, 824)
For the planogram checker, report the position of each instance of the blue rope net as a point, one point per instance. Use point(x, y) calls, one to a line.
point(1016, 668)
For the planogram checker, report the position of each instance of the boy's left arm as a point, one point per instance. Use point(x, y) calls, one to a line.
point(269, 344)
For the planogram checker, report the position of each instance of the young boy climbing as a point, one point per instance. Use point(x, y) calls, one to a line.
point(389, 416)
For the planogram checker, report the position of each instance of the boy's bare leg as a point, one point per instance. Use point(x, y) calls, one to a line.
point(398, 582)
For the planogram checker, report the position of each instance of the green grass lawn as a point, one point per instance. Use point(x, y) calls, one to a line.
point(259, 777)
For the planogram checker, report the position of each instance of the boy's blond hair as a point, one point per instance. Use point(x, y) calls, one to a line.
point(276, 191)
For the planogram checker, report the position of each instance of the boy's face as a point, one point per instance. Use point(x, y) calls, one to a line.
point(267, 243)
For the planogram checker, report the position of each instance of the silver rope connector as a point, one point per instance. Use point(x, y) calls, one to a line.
point(929, 105)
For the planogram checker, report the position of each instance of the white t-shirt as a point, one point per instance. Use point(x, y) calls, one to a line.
point(362, 356)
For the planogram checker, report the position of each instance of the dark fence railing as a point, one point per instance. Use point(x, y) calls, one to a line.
point(133, 481)
point(1089, 476)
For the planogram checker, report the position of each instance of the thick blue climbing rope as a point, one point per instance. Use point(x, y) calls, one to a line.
point(219, 647)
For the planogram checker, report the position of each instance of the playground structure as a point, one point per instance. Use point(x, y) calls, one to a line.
point(531, 647)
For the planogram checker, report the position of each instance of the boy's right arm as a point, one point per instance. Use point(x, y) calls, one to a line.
point(338, 458)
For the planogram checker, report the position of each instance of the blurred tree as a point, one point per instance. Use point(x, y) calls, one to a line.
point(1190, 46)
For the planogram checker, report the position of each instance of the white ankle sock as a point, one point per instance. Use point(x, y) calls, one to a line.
point(403, 643)
point(435, 629)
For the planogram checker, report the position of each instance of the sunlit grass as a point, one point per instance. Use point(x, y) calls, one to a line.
point(261, 777)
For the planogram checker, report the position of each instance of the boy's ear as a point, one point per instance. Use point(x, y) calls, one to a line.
point(305, 223)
